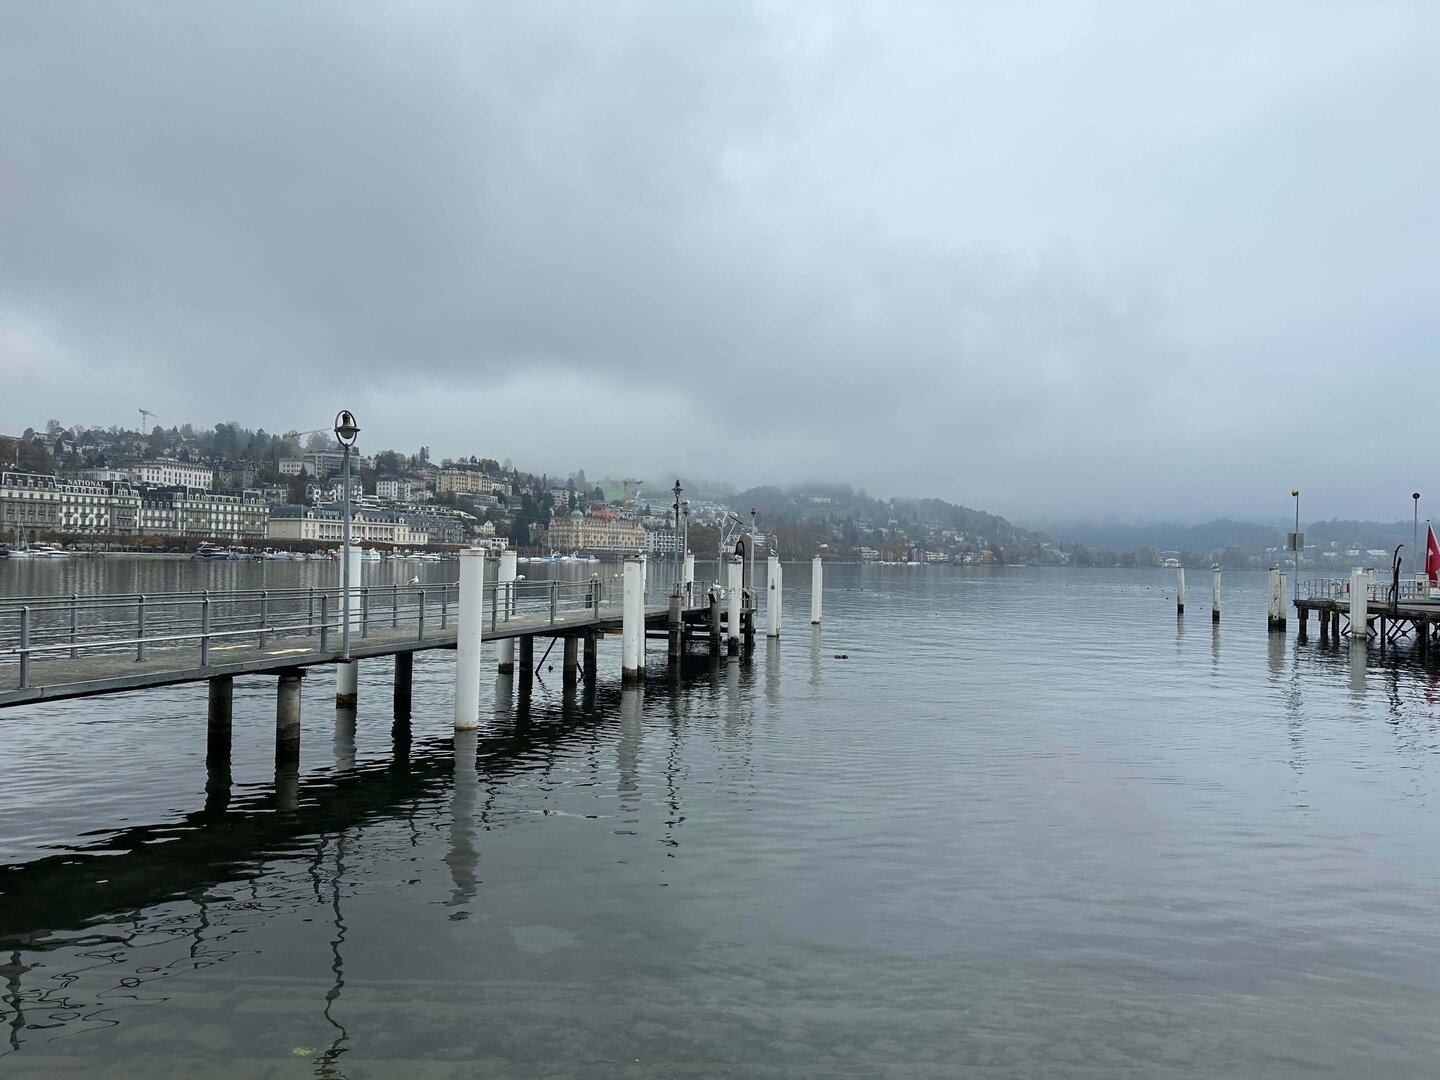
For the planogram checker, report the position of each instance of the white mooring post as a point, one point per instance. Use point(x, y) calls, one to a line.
point(779, 592)
point(817, 584)
point(347, 672)
point(689, 578)
point(1275, 607)
point(470, 626)
point(772, 597)
point(734, 588)
point(1359, 605)
point(1215, 594)
point(632, 620)
point(347, 684)
point(1180, 591)
point(504, 586)
point(353, 602)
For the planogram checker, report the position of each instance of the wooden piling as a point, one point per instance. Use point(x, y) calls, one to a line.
point(592, 657)
point(570, 668)
point(1275, 617)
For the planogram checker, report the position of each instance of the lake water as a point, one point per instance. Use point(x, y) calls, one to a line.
point(1031, 826)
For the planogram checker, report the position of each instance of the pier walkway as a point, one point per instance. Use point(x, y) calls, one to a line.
point(55, 647)
point(1390, 617)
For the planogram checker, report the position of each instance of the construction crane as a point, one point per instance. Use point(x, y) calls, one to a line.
point(625, 488)
point(302, 434)
point(145, 417)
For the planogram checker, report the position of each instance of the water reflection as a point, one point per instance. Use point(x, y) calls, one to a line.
point(344, 742)
point(815, 644)
point(463, 858)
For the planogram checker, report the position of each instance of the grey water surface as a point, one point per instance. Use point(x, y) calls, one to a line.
point(1031, 825)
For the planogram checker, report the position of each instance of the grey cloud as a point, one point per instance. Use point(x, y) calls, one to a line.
point(1039, 260)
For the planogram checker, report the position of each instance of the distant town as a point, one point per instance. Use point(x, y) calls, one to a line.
point(176, 488)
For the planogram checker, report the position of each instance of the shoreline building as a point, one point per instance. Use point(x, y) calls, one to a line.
point(208, 515)
point(326, 525)
point(32, 504)
point(600, 533)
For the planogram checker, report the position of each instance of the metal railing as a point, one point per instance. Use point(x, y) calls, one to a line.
point(55, 627)
point(1378, 592)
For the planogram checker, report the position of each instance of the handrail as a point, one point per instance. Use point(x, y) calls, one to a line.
point(72, 625)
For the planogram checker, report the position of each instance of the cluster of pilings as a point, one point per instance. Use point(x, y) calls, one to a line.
point(724, 620)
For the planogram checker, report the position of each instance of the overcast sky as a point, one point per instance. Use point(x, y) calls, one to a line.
point(1138, 259)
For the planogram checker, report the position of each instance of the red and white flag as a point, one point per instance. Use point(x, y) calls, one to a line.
point(1432, 554)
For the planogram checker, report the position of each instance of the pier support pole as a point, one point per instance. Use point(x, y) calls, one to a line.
point(570, 668)
point(469, 627)
point(734, 593)
point(817, 585)
point(1359, 605)
point(1303, 615)
point(632, 620)
point(404, 684)
point(527, 659)
point(1324, 626)
point(1275, 609)
point(592, 657)
point(715, 614)
point(505, 587)
point(677, 626)
point(772, 597)
point(287, 717)
point(217, 735)
point(1215, 594)
point(347, 684)
point(1180, 591)
point(222, 705)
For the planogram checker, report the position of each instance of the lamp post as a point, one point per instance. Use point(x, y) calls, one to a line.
point(346, 430)
point(685, 539)
point(1296, 545)
point(679, 557)
point(1415, 530)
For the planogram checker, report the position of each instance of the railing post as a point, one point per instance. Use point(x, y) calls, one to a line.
point(24, 647)
point(554, 596)
point(264, 614)
point(324, 621)
point(205, 628)
point(444, 605)
point(140, 628)
point(421, 633)
point(394, 605)
point(74, 624)
point(310, 615)
point(494, 606)
point(365, 611)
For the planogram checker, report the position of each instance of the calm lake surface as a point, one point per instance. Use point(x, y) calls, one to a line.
point(1031, 827)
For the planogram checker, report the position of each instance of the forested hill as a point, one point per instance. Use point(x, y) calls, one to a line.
point(841, 505)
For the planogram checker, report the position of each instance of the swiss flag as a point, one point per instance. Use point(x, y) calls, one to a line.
point(1432, 554)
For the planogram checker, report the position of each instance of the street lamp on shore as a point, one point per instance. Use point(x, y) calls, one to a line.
point(679, 555)
point(346, 430)
point(1415, 531)
point(1296, 543)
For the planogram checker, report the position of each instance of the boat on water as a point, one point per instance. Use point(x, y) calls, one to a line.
point(212, 552)
point(369, 555)
point(48, 551)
